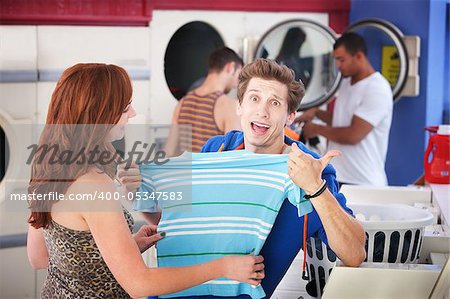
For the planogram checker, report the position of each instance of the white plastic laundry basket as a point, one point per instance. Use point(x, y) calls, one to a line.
point(394, 234)
point(320, 260)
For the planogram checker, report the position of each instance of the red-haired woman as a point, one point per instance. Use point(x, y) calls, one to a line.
point(87, 246)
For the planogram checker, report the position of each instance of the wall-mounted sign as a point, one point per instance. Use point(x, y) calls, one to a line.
point(390, 64)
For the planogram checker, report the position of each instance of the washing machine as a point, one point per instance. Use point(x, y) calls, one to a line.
point(181, 41)
point(32, 60)
point(18, 85)
point(62, 46)
point(34, 57)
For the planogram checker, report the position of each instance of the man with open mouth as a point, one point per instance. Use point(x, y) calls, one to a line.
point(268, 97)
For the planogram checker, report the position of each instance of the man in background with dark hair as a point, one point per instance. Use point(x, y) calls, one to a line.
point(360, 122)
point(207, 111)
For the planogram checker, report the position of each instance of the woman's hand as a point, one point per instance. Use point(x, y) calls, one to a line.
point(129, 176)
point(147, 236)
point(246, 268)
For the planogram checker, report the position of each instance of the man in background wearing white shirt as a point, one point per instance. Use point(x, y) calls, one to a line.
point(360, 122)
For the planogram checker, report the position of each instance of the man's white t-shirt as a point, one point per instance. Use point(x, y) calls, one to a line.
point(371, 100)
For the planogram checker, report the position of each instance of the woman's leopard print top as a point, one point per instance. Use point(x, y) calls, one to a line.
point(76, 268)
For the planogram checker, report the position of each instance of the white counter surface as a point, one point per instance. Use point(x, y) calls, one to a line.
point(441, 197)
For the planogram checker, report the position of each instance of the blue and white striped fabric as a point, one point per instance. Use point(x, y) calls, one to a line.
point(230, 202)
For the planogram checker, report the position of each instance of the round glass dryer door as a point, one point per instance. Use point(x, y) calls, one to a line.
point(186, 57)
point(306, 47)
point(386, 51)
point(4, 154)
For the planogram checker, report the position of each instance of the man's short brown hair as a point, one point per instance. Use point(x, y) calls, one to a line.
point(268, 69)
point(221, 57)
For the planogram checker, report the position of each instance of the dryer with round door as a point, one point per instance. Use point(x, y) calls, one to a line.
point(312, 48)
point(185, 39)
point(18, 75)
point(181, 41)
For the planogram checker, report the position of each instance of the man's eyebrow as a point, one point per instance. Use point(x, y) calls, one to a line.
point(272, 95)
point(276, 96)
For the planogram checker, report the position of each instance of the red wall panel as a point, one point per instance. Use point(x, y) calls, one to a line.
point(138, 12)
point(75, 12)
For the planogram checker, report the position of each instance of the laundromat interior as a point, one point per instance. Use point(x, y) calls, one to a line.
point(163, 45)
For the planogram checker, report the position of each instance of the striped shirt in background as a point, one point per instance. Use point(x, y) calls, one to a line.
point(235, 195)
point(197, 114)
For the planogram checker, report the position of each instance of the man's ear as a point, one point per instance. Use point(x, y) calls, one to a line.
point(238, 108)
point(290, 119)
point(230, 67)
point(359, 55)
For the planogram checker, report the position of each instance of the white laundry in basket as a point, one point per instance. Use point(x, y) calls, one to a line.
point(394, 234)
